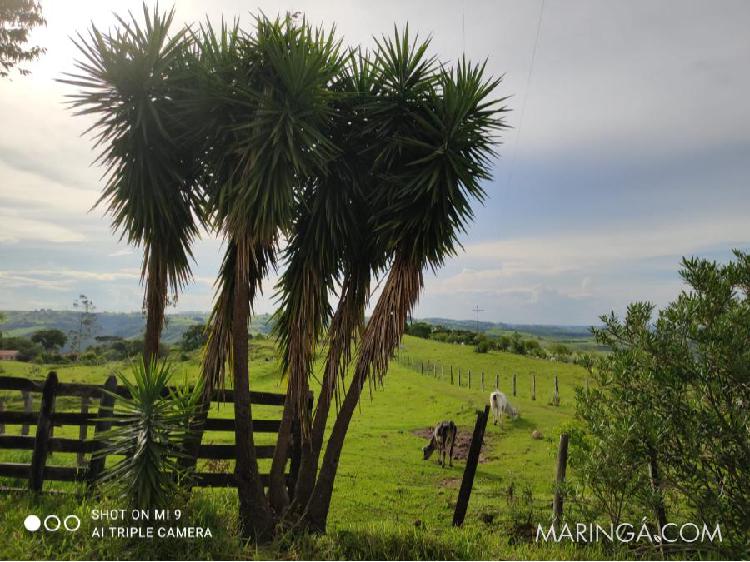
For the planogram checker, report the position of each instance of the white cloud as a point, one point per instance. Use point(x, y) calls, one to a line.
point(14, 229)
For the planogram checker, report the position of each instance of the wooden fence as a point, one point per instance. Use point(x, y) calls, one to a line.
point(43, 444)
point(481, 380)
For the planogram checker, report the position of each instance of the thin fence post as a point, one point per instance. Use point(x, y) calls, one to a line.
point(514, 384)
point(451, 374)
point(482, 380)
point(562, 465)
point(556, 398)
point(533, 387)
point(27, 405)
point(497, 381)
point(472, 460)
point(83, 428)
point(2, 409)
point(442, 371)
point(459, 376)
point(106, 407)
point(422, 363)
point(469, 378)
point(434, 370)
point(43, 427)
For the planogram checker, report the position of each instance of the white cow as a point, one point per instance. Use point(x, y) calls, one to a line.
point(500, 405)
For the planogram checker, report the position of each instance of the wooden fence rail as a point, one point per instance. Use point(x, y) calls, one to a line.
point(43, 443)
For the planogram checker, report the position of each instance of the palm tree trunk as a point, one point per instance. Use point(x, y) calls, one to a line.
point(278, 495)
point(156, 302)
point(346, 321)
point(255, 515)
point(382, 335)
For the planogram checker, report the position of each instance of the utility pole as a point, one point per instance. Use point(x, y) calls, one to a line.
point(476, 310)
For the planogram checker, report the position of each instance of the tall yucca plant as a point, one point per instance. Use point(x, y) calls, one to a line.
point(330, 237)
point(131, 80)
point(437, 130)
point(273, 86)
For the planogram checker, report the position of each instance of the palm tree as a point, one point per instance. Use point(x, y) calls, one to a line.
point(131, 80)
point(269, 91)
point(436, 130)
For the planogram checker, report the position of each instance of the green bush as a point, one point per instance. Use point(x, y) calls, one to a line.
point(674, 393)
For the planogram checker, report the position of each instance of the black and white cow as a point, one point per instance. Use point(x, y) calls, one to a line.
point(443, 438)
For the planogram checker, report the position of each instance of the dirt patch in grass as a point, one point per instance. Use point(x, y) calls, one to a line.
point(460, 447)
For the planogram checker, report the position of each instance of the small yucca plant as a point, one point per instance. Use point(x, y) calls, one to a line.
point(151, 427)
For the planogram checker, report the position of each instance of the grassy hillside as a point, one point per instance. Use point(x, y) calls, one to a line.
point(384, 488)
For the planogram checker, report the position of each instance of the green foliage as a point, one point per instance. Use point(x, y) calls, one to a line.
point(156, 424)
point(50, 340)
point(17, 19)
point(194, 337)
point(419, 329)
point(28, 350)
point(483, 346)
point(674, 391)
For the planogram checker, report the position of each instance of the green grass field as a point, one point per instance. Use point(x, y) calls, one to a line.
point(387, 498)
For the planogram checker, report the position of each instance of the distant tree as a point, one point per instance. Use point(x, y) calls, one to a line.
point(483, 346)
point(532, 347)
point(27, 349)
point(86, 322)
point(419, 329)
point(517, 344)
point(194, 337)
point(17, 19)
point(560, 350)
point(504, 343)
point(50, 340)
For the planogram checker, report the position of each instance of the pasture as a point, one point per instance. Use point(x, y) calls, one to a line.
point(386, 495)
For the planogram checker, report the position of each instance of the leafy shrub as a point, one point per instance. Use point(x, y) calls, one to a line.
point(674, 393)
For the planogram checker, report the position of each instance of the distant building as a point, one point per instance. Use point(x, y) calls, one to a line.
point(8, 355)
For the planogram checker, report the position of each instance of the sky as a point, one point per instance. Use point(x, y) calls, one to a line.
point(629, 148)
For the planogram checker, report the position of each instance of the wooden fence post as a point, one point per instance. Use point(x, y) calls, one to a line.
point(106, 407)
point(469, 378)
point(27, 405)
point(451, 374)
point(472, 460)
point(442, 371)
point(497, 381)
point(43, 427)
point(556, 397)
point(2, 409)
point(422, 363)
point(533, 387)
point(562, 465)
point(514, 384)
point(482, 380)
point(434, 370)
point(83, 428)
point(459, 376)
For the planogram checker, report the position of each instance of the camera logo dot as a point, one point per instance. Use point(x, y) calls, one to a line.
point(32, 523)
